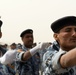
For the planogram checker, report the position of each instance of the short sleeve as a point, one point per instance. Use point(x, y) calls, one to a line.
point(51, 61)
point(55, 60)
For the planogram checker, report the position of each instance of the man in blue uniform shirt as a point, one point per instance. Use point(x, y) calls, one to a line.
point(62, 61)
point(4, 69)
point(31, 66)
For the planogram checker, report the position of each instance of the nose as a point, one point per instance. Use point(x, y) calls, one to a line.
point(74, 33)
point(30, 38)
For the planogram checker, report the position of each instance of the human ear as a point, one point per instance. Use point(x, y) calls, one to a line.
point(55, 36)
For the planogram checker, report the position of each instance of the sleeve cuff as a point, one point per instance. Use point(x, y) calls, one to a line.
point(55, 60)
point(19, 56)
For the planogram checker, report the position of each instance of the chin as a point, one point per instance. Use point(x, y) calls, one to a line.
point(73, 46)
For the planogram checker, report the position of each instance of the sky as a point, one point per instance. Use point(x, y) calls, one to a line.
point(18, 15)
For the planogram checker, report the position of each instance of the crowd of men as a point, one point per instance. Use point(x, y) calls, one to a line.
point(33, 65)
point(57, 58)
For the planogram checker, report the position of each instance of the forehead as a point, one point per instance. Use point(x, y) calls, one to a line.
point(29, 34)
point(68, 27)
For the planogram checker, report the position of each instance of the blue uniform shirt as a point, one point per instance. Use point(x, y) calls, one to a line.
point(51, 62)
point(29, 67)
point(5, 69)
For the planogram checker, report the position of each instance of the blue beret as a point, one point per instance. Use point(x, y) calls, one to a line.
point(26, 32)
point(62, 22)
point(1, 23)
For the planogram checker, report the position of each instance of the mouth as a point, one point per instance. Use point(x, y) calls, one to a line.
point(74, 40)
point(30, 42)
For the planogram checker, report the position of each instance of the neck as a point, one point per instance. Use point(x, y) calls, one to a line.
point(67, 48)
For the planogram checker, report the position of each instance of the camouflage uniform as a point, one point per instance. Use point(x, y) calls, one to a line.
point(5, 69)
point(52, 65)
point(29, 67)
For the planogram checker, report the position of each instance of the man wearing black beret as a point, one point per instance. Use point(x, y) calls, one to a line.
point(63, 60)
point(27, 38)
point(31, 66)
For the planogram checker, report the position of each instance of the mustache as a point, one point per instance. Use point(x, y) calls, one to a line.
point(71, 38)
point(30, 41)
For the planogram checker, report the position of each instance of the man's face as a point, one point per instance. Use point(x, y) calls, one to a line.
point(13, 46)
point(67, 37)
point(28, 40)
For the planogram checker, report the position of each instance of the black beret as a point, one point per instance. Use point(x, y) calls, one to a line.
point(62, 22)
point(26, 32)
point(1, 23)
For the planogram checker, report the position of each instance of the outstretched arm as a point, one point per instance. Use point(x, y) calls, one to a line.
point(20, 55)
point(68, 59)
